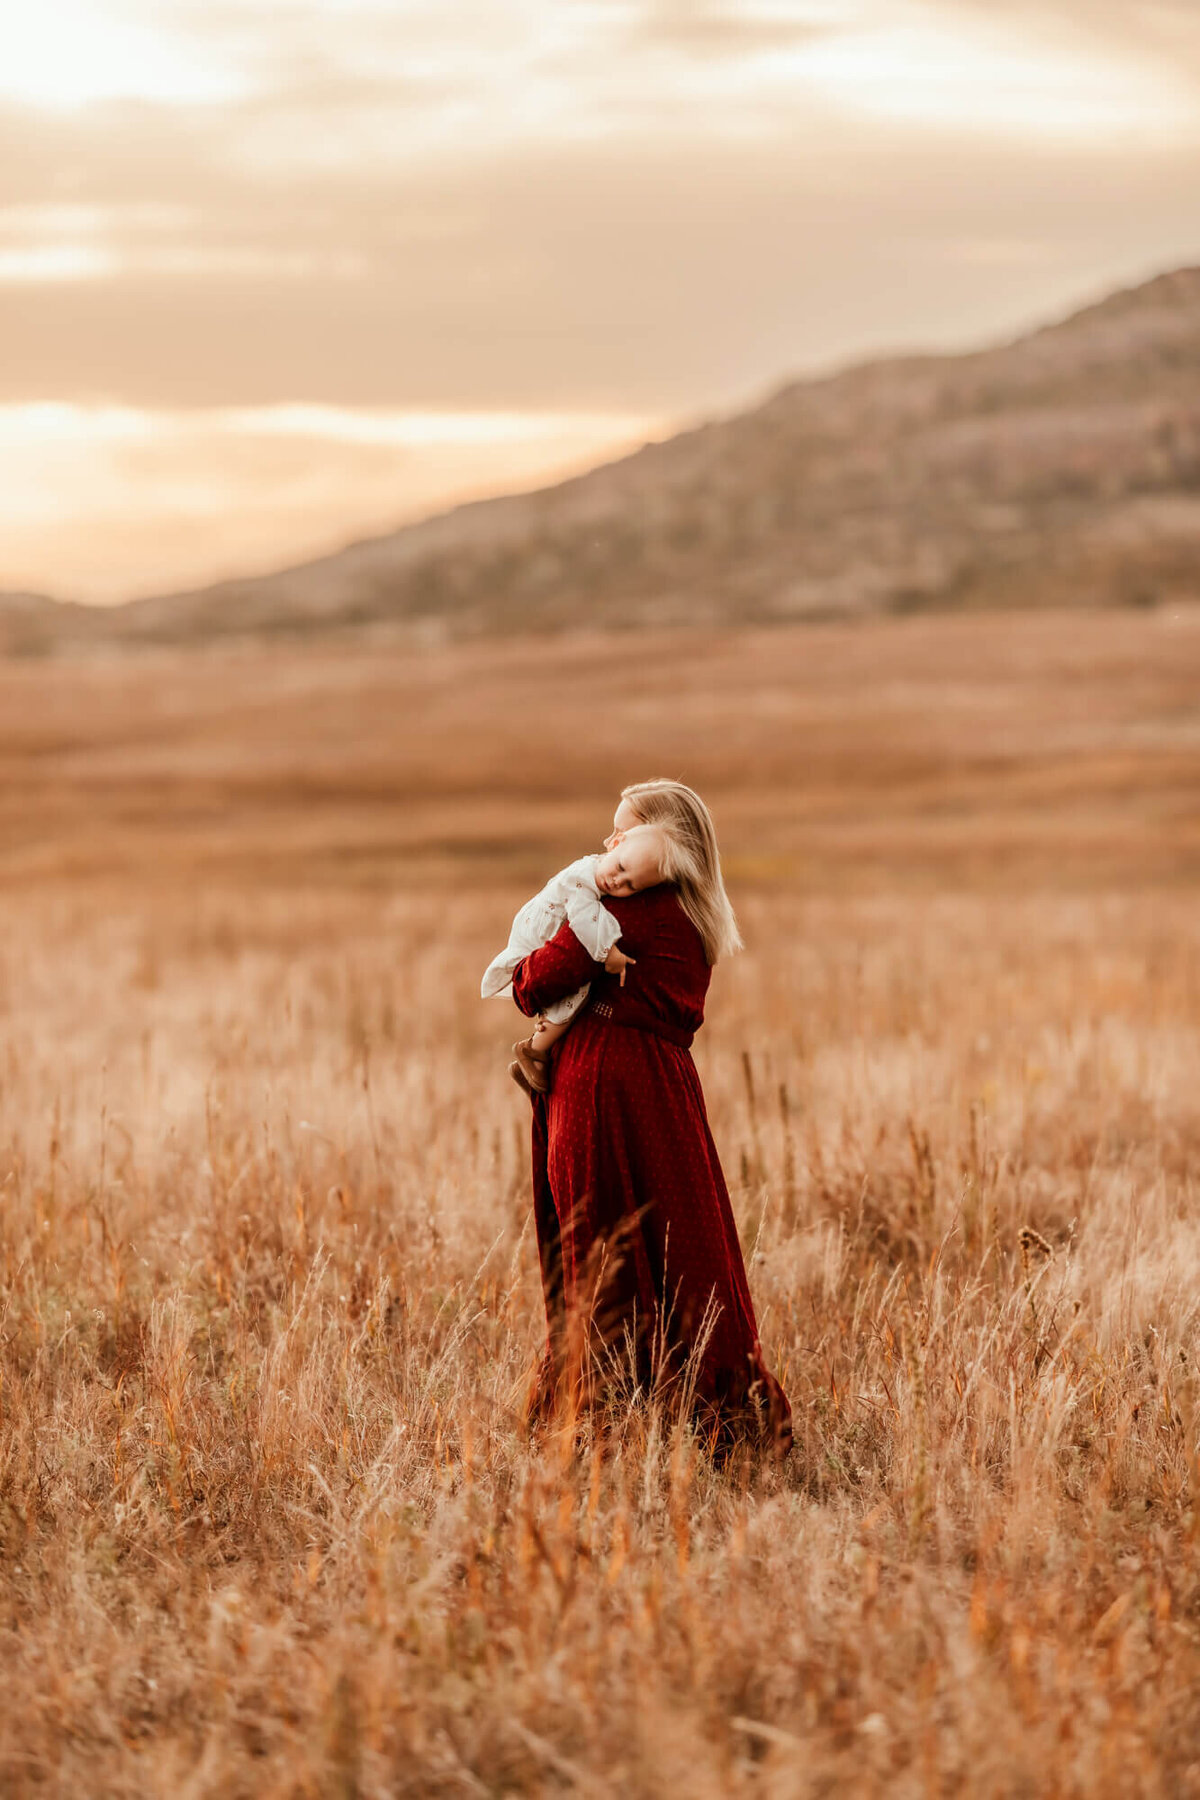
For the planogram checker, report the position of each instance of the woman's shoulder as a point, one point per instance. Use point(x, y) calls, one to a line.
point(650, 903)
point(656, 913)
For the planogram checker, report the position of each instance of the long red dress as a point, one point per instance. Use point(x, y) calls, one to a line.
point(638, 1246)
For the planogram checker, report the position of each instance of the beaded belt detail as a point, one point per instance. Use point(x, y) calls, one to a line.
point(640, 1021)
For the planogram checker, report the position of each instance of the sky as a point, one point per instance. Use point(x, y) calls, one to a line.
point(275, 274)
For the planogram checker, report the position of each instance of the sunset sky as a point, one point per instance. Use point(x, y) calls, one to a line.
point(273, 275)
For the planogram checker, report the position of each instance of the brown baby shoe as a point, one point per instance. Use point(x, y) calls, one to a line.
point(530, 1071)
point(518, 1075)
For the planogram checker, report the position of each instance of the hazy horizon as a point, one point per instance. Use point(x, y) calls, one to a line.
point(276, 278)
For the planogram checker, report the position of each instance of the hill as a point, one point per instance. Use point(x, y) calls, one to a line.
point(1060, 469)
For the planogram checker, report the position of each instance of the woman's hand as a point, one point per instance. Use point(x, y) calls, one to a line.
point(616, 963)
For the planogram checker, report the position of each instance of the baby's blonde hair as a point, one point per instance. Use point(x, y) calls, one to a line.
point(691, 859)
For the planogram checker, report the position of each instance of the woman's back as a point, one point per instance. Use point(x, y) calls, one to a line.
point(670, 979)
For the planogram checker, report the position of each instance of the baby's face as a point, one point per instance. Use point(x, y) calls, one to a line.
point(635, 863)
point(624, 819)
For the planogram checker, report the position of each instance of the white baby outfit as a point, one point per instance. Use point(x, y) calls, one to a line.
point(571, 895)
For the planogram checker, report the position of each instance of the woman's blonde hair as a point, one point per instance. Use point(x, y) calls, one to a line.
point(692, 860)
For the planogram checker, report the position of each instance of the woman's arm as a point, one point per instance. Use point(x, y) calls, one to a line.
point(559, 968)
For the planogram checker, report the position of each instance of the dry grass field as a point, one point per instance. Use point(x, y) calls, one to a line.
point(269, 1522)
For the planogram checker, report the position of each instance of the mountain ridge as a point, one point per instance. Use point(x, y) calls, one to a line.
point(1061, 467)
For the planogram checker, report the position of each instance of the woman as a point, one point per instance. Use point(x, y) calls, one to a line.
point(639, 1251)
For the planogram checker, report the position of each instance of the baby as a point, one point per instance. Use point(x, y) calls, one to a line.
point(576, 894)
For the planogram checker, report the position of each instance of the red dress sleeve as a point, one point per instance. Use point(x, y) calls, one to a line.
point(559, 968)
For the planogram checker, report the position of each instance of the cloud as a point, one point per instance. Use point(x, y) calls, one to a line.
point(642, 277)
point(649, 208)
point(1155, 34)
point(719, 32)
point(102, 502)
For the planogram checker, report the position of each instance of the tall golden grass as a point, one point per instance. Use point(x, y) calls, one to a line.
point(270, 1523)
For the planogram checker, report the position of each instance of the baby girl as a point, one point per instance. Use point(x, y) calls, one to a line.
point(637, 859)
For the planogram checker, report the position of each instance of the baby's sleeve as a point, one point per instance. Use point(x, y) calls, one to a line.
point(592, 923)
